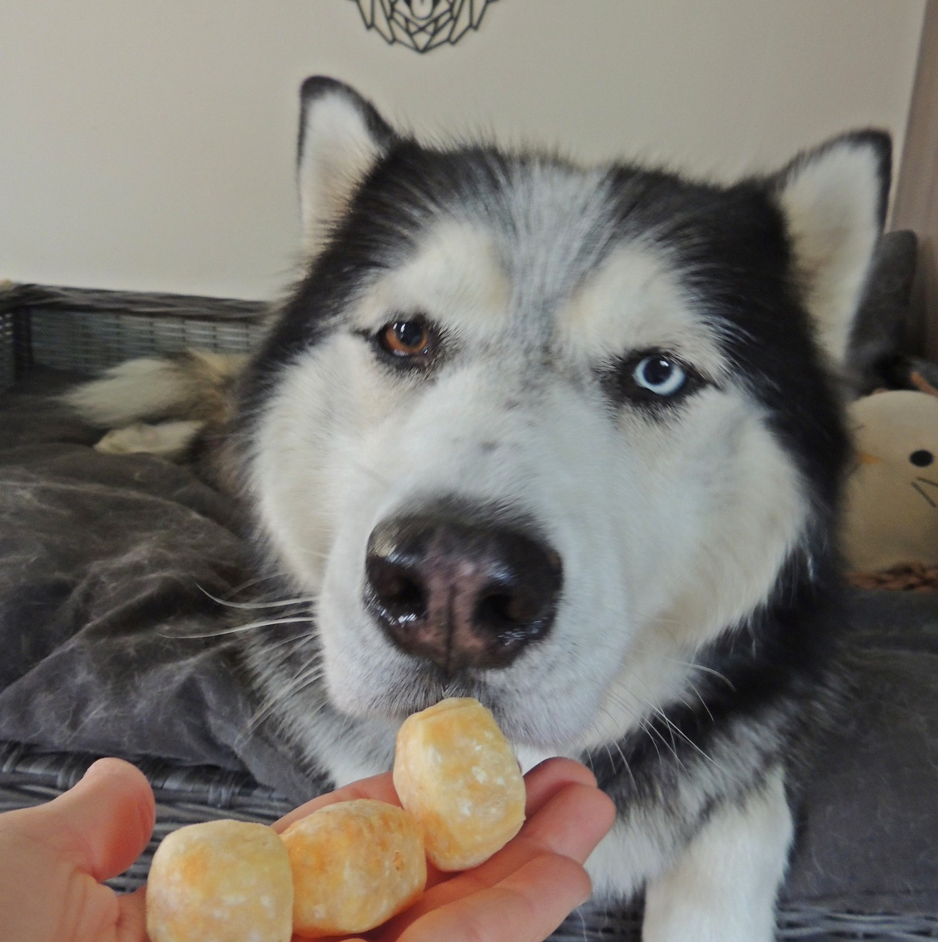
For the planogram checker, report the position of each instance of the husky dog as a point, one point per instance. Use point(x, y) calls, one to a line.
point(568, 440)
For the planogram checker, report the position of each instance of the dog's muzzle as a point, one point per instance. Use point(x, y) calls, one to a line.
point(461, 592)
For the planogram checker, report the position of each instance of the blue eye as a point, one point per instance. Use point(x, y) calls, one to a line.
point(660, 375)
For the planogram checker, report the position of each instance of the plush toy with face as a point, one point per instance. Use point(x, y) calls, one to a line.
point(891, 511)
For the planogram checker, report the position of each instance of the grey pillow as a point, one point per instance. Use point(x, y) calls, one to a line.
point(868, 838)
point(880, 330)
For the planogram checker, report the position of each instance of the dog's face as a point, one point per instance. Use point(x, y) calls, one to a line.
point(538, 434)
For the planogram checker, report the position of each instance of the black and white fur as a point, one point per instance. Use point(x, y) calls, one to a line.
point(629, 370)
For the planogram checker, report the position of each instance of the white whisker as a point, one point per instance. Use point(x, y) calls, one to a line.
point(241, 629)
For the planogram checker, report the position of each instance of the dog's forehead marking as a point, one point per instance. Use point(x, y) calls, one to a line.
point(544, 259)
point(554, 224)
point(634, 301)
point(507, 257)
point(455, 277)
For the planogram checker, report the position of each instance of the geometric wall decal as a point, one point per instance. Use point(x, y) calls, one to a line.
point(422, 24)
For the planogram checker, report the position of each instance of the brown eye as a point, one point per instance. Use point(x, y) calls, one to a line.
point(407, 338)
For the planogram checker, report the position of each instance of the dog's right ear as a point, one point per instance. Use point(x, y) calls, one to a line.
point(342, 136)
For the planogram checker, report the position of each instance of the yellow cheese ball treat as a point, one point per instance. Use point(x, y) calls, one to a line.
point(456, 774)
point(222, 881)
point(355, 865)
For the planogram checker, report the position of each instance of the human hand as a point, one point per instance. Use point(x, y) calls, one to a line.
point(53, 858)
point(522, 893)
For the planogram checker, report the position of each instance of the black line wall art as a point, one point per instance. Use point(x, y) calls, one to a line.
point(422, 25)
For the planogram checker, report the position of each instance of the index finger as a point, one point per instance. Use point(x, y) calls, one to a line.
point(550, 776)
point(378, 787)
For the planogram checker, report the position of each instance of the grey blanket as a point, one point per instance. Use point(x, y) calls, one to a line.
point(112, 643)
point(110, 574)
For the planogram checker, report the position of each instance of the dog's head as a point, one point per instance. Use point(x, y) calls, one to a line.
point(539, 433)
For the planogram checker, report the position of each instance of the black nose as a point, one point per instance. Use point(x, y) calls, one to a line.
point(461, 593)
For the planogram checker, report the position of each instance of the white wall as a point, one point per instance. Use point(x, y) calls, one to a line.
point(149, 144)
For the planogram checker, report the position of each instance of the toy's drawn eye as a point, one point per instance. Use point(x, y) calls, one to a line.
point(921, 458)
point(659, 374)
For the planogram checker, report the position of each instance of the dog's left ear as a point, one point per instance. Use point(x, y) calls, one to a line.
point(834, 200)
point(341, 138)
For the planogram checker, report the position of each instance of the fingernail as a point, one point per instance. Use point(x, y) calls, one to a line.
point(100, 766)
point(92, 769)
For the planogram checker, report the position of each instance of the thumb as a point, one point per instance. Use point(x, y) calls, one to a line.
point(102, 824)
